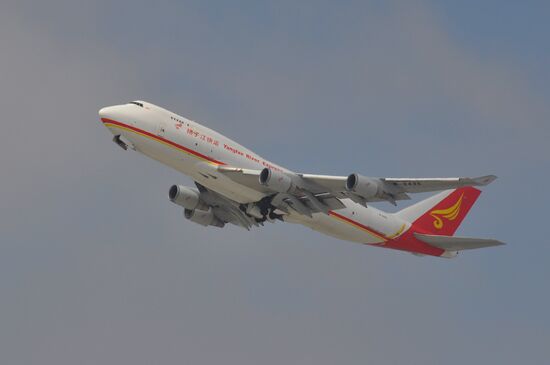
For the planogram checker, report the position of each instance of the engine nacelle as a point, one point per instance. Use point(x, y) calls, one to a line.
point(276, 180)
point(203, 217)
point(186, 197)
point(366, 187)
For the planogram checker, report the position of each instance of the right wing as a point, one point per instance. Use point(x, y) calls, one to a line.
point(226, 209)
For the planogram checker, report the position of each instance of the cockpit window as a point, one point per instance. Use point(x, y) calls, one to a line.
point(136, 103)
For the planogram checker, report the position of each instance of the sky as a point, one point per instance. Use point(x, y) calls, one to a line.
point(98, 267)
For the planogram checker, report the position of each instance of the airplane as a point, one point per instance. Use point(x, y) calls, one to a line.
point(237, 186)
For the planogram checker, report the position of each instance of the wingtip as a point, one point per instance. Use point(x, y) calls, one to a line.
point(484, 180)
point(496, 243)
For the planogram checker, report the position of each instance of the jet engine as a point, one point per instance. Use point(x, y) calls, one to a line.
point(203, 217)
point(188, 198)
point(366, 187)
point(276, 180)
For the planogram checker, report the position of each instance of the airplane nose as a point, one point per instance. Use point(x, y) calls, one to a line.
point(105, 112)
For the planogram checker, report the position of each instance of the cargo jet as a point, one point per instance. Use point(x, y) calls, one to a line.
point(235, 185)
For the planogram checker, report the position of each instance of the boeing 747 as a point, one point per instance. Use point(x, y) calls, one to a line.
point(236, 186)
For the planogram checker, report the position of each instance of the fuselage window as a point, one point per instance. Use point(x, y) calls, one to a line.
point(136, 103)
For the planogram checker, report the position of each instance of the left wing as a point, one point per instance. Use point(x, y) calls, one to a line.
point(360, 189)
point(364, 189)
point(246, 177)
point(401, 185)
point(422, 185)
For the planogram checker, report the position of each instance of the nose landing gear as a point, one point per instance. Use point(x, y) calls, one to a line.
point(120, 142)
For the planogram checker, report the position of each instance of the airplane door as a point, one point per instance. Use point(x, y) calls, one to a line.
point(161, 129)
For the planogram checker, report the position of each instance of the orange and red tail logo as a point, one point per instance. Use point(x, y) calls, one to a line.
point(450, 213)
point(445, 217)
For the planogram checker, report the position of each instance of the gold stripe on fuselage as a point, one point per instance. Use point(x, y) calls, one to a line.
point(160, 141)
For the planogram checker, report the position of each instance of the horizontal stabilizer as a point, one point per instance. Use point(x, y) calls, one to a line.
point(450, 243)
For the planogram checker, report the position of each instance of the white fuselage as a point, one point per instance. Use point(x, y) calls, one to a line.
point(197, 151)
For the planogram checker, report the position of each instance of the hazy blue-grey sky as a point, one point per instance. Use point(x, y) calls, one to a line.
point(97, 267)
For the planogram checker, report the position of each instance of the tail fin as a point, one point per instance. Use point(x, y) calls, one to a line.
point(441, 214)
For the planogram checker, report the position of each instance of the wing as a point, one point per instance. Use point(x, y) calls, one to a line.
point(404, 185)
point(247, 177)
point(307, 194)
point(226, 210)
point(367, 189)
point(309, 198)
point(422, 185)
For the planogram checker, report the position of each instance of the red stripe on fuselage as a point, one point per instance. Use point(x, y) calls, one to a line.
point(404, 242)
point(408, 242)
point(178, 146)
point(355, 223)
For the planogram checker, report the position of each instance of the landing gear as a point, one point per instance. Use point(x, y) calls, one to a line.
point(120, 142)
point(261, 211)
point(273, 215)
